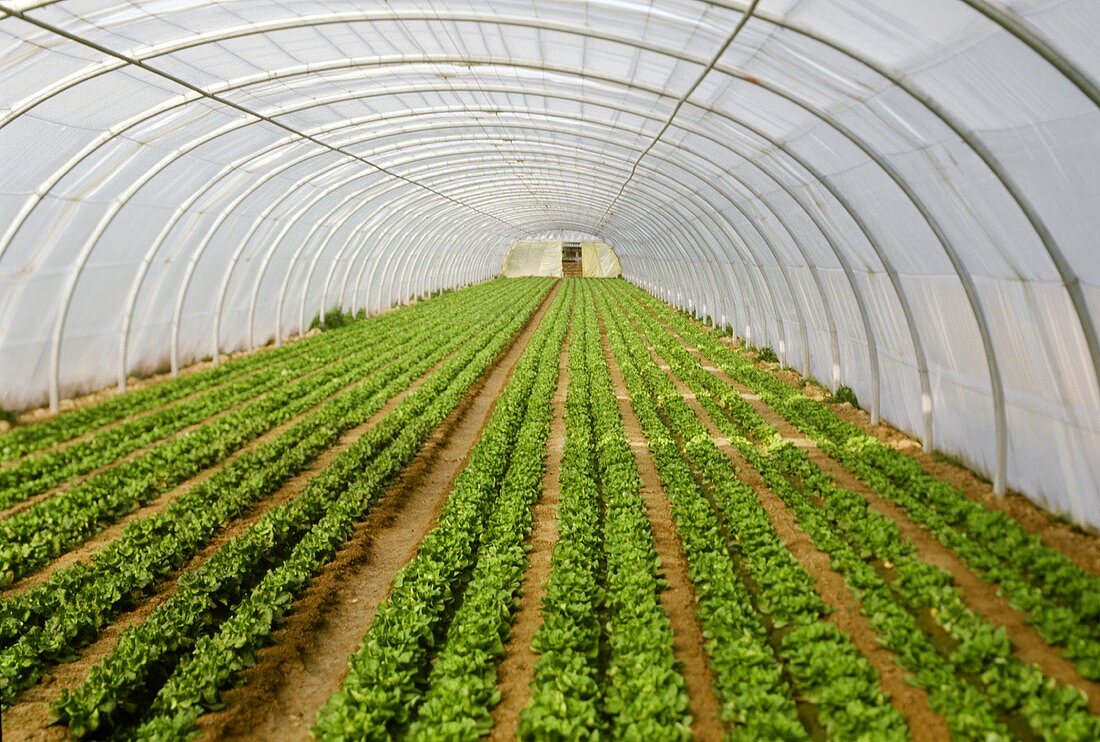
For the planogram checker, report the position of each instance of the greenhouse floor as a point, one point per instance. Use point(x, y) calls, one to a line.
point(759, 525)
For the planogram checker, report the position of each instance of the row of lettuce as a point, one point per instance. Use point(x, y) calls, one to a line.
point(606, 663)
point(44, 454)
point(23, 441)
point(965, 663)
point(427, 668)
point(606, 666)
point(1059, 598)
point(767, 639)
point(35, 534)
point(259, 569)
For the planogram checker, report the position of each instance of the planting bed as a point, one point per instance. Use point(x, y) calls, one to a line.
point(534, 508)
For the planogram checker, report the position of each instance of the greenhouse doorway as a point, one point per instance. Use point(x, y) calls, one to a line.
point(571, 260)
point(548, 257)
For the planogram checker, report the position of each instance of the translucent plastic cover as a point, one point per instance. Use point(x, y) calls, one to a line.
point(598, 260)
point(533, 258)
point(899, 196)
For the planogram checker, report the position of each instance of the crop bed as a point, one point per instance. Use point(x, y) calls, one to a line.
point(534, 508)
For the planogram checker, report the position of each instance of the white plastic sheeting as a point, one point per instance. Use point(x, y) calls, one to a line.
point(543, 258)
point(598, 260)
point(533, 258)
point(896, 195)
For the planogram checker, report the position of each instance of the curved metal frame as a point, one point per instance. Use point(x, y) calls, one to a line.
point(1018, 28)
point(244, 243)
point(458, 124)
point(777, 261)
point(391, 91)
point(777, 319)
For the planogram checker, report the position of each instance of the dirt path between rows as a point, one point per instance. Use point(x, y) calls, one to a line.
point(87, 550)
point(296, 675)
point(107, 427)
point(28, 717)
point(78, 479)
point(980, 596)
point(678, 598)
point(1081, 547)
point(517, 670)
point(912, 702)
point(133, 384)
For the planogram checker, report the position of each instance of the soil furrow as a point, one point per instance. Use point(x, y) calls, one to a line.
point(678, 598)
point(517, 669)
point(980, 596)
point(912, 702)
point(293, 677)
point(30, 712)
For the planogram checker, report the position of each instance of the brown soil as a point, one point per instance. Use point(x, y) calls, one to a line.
point(1081, 547)
point(133, 384)
point(911, 701)
point(88, 550)
point(678, 598)
point(306, 664)
point(517, 669)
point(28, 717)
point(980, 596)
point(79, 479)
point(296, 675)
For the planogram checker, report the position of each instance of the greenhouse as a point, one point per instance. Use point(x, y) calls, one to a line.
point(572, 369)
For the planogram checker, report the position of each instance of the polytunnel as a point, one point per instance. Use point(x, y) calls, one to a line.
point(550, 369)
point(899, 197)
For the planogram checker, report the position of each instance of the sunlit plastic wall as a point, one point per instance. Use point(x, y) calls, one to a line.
point(898, 196)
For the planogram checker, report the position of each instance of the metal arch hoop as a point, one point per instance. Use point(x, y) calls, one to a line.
point(360, 279)
point(353, 261)
point(412, 234)
point(780, 263)
point(196, 254)
point(779, 321)
point(338, 258)
point(1025, 32)
point(85, 253)
point(348, 19)
point(369, 288)
point(270, 254)
point(1071, 284)
point(147, 260)
point(145, 263)
point(969, 288)
point(294, 258)
point(676, 164)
